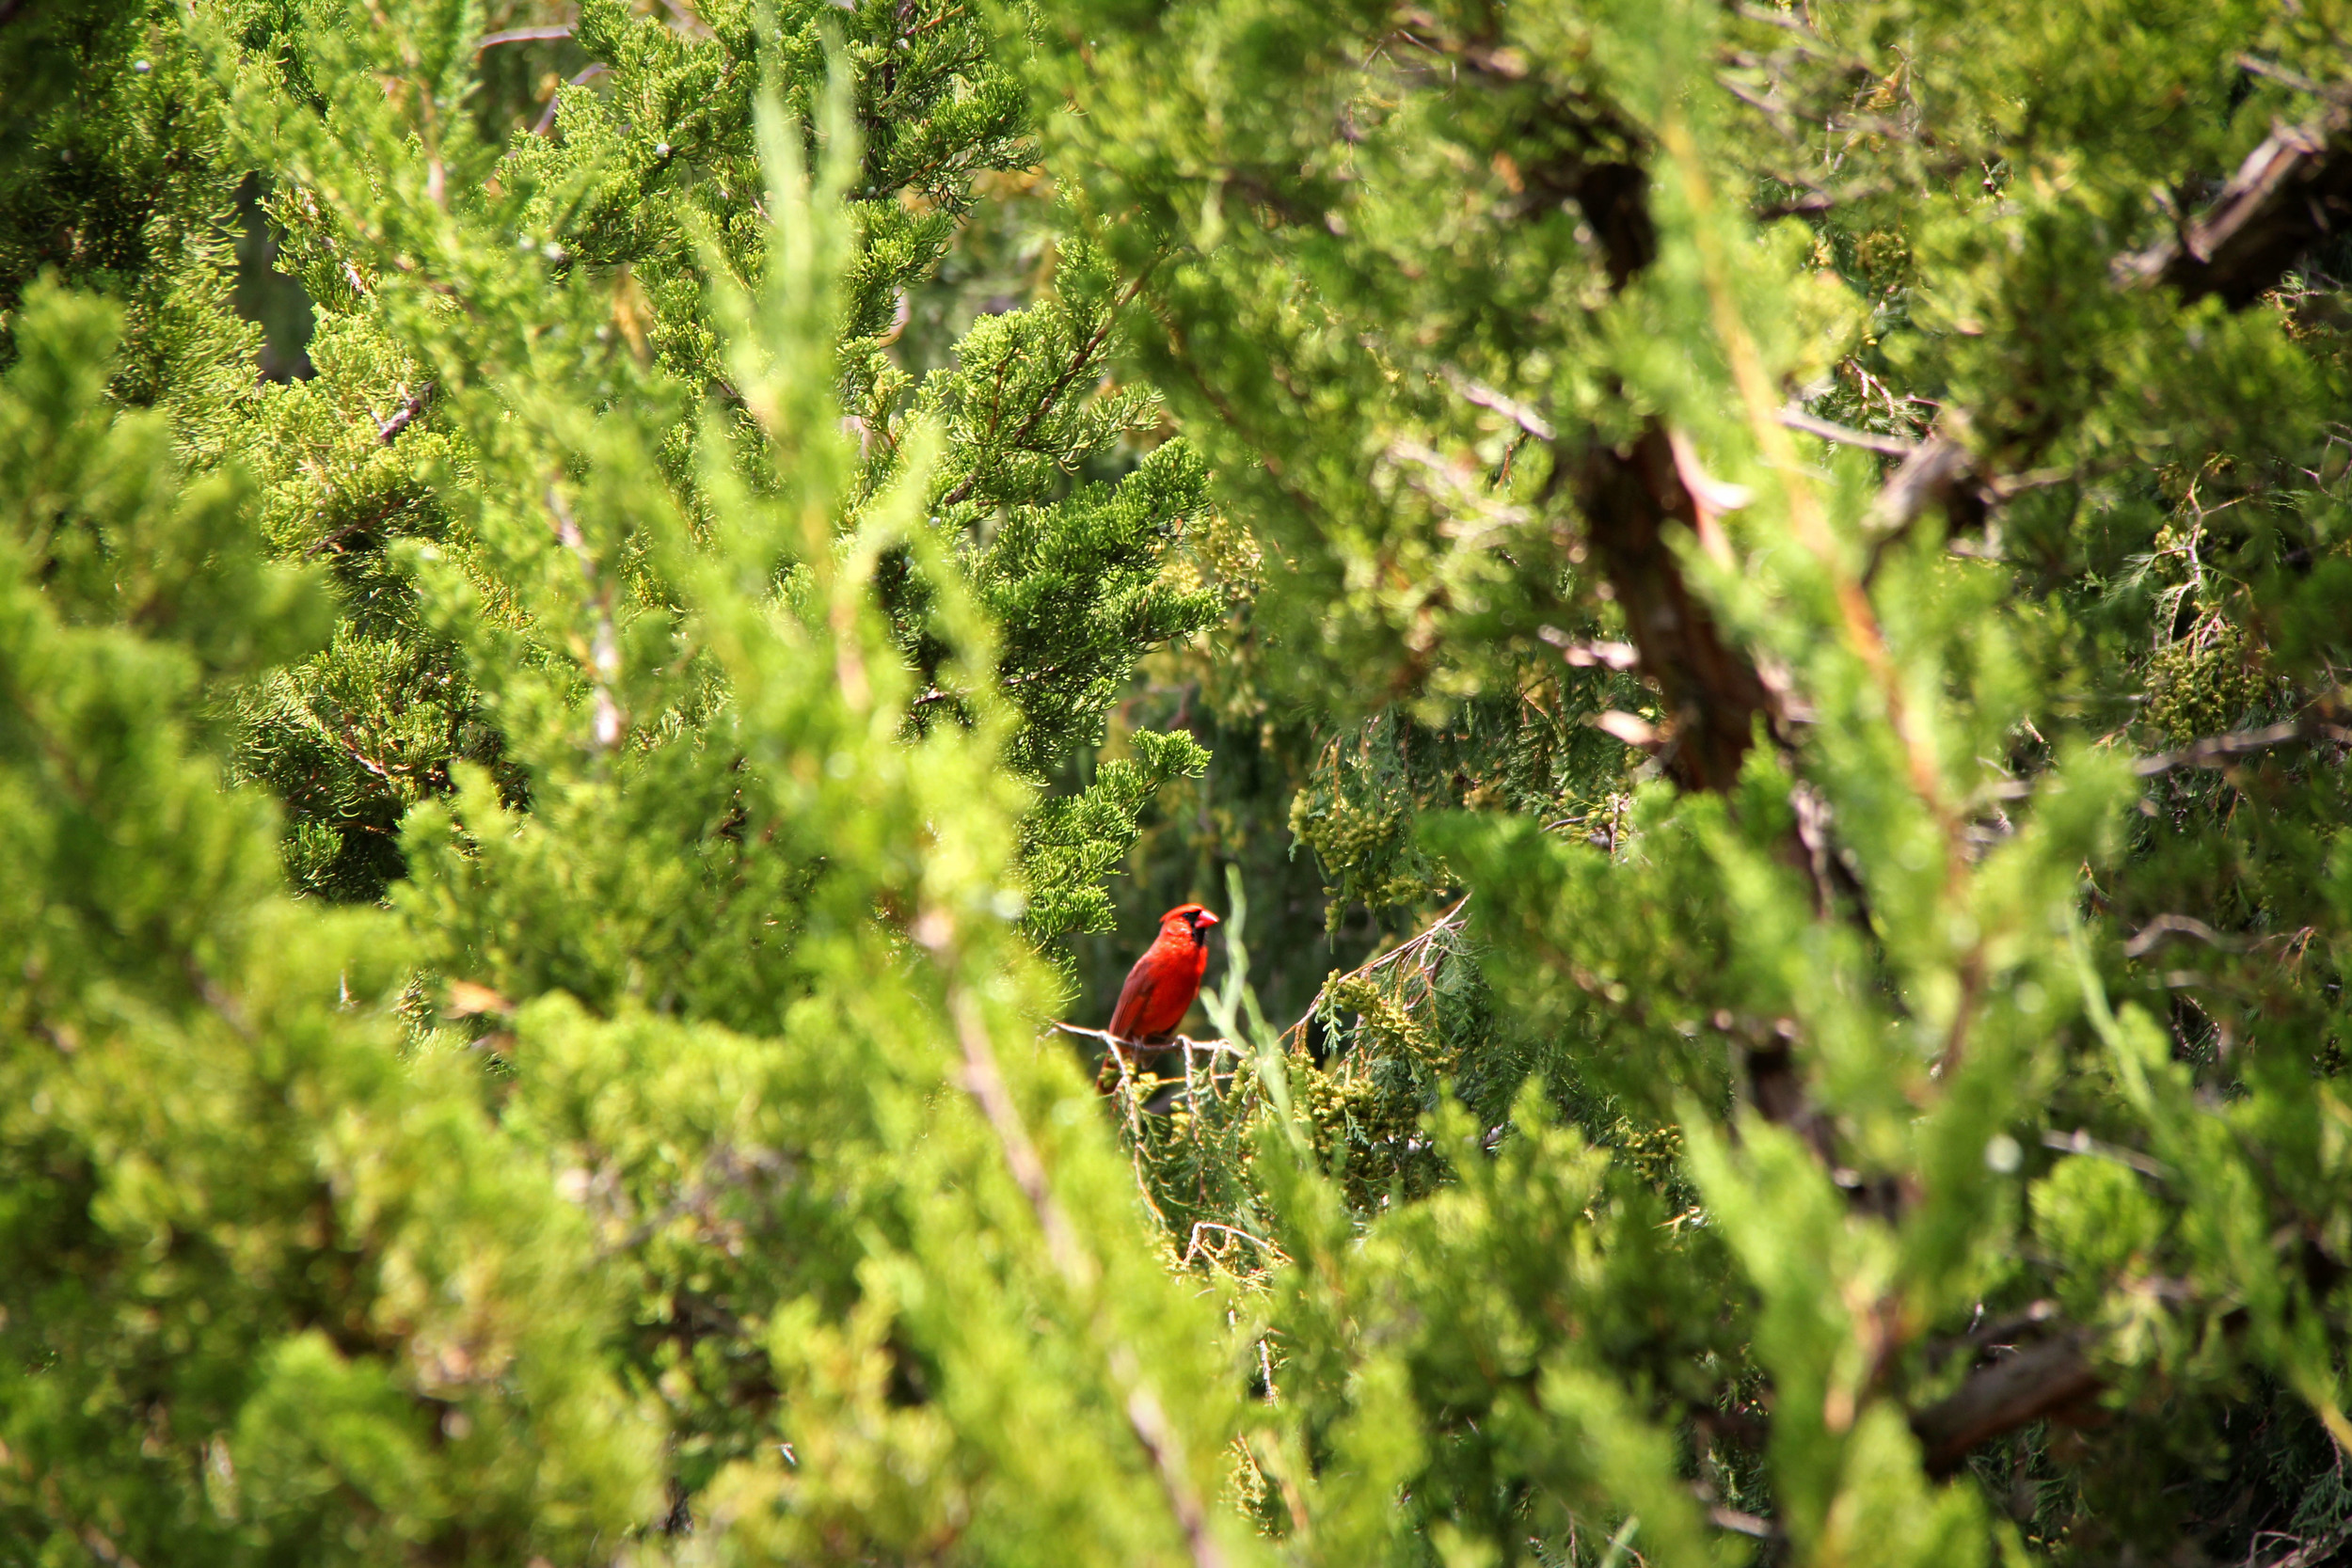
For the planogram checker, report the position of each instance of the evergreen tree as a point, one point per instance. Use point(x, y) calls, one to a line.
point(270, 1289)
point(1545, 346)
point(1780, 608)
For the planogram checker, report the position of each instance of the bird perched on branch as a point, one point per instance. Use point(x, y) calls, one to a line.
point(1160, 987)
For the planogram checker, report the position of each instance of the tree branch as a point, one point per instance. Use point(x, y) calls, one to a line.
point(521, 35)
point(1795, 418)
point(1629, 497)
point(2215, 750)
point(2292, 191)
point(1089, 346)
point(2154, 934)
point(387, 430)
point(2042, 1378)
point(1934, 471)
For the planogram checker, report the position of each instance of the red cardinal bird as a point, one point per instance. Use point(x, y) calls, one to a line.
point(1160, 989)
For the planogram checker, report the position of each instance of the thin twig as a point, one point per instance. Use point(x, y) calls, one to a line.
point(1259, 1242)
point(1753, 100)
point(932, 694)
point(349, 531)
point(1741, 1524)
point(405, 415)
point(1871, 440)
point(2152, 935)
point(2255, 66)
point(547, 120)
point(605, 654)
point(2217, 751)
point(2214, 750)
point(1442, 925)
point(2307, 1553)
point(1451, 491)
point(1124, 1044)
point(1509, 407)
point(521, 35)
point(2080, 1142)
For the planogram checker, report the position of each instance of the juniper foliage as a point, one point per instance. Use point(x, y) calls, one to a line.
point(1769, 622)
point(1968, 853)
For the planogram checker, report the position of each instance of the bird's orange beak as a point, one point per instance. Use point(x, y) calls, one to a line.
point(1206, 920)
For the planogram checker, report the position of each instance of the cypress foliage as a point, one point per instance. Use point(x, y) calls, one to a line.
point(1949, 1095)
point(1768, 626)
point(270, 1289)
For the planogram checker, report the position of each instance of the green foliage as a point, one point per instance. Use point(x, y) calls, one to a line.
point(1411, 281)
point(543, 854)
point(269, 1289)
point(637, 200)
point(108, 140)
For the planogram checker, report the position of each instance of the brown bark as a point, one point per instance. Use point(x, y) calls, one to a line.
point(2046, 1378)
point(2292, 191)
point(1629, 497)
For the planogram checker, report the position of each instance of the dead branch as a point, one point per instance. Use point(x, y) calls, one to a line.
point(1192, 1248)
point(1450, 921)
point(521, 35)
point(605, 653)
point(2217, 751)
point(2149, 937)
point(1742, 1524)
point(1588, 656)
point(2213, 752)
point(2308, 1552)
point(2292, 191)
point(1189, 1045)
point(2046, 1378)
point(1870, 440)
point(1509, 407)
point(405, 415)
point(2081, 1142)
